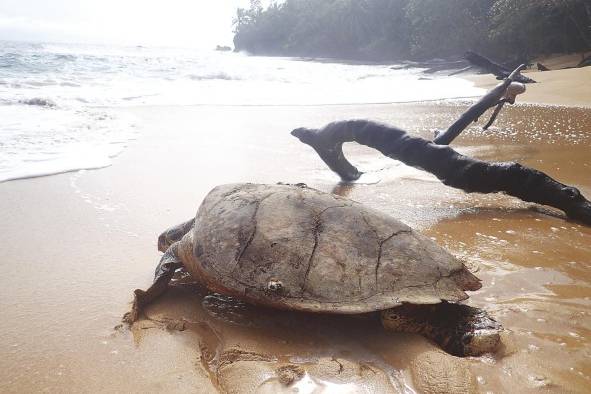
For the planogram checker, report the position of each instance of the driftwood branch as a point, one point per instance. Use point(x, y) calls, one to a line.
point(585, 62)
point(452, 168)
point(541, 67)
point(503, 92)
point(489, 66)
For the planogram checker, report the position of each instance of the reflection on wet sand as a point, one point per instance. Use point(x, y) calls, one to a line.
point(536, 273)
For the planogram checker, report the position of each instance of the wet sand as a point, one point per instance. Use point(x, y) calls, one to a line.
point(76, 245)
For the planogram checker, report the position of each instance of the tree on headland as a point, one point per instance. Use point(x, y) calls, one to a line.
point(413, 29)
point(328, 28)
point(440, 28)
point(533, 27)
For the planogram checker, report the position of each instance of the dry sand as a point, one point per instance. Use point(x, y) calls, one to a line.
point(570, 87)
point(75, 246)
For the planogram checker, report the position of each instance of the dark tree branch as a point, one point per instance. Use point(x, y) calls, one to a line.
point(452, 168)
point(494, 115)
point(585, 62)
point(541, 67)
point(507, 89)
point(496, 69)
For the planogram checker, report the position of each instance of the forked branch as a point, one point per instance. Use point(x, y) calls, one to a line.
point(450, 167)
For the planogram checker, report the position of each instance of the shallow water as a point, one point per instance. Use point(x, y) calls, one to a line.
point(57, 100)
point(75, 245)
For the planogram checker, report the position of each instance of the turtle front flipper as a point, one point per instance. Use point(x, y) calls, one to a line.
point(459, 329)
point(174, 234)
point(169, 263)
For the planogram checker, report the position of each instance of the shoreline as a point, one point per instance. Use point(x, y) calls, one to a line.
point(538, 98)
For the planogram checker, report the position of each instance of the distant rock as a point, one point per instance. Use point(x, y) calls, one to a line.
point(223, 48)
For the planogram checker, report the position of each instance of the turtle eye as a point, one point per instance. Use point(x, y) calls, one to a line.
point(572, 192)
point(466, 339)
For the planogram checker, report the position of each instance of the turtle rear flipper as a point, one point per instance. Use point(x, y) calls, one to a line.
point(459, 329)
point(169, 263)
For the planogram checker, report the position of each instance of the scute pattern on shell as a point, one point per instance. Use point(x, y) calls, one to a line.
point(330, 254)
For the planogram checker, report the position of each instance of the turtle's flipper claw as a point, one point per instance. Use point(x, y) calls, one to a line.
point(130, 317)
point(164, 272)
point(136, 308)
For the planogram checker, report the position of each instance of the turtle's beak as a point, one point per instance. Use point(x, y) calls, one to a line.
point(481, 341)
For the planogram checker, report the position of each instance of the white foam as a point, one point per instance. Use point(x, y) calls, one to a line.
point(38, 141)
point(54, 98)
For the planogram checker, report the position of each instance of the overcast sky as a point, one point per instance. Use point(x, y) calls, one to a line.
point(202, 23)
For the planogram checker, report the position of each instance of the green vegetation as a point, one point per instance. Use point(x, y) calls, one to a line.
point(414, 29)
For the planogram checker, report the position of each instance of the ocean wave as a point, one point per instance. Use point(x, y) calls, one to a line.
point(37, 84)
point(70, 84)
point(60, 105)
point(366, 76)
point(10, 60)
point(65, 56)
point(39, 101)
point(217, 75)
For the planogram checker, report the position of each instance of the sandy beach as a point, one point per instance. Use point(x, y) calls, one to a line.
point(569, 87)
point(76, 245)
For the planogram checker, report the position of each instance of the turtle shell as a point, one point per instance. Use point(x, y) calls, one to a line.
point(293, 247)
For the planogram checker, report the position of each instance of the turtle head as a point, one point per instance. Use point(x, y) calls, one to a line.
point(459, 329)
point(475, 331)
point(480, 341)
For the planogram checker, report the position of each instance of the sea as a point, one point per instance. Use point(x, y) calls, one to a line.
point(61, 104)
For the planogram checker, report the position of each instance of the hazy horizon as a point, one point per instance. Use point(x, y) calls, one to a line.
point(173, 23)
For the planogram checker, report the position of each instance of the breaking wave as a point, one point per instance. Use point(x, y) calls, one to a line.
point(83, 85)
point(39, 101)
point(220, 75)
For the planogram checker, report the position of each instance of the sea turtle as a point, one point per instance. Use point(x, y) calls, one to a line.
point(294, 247)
